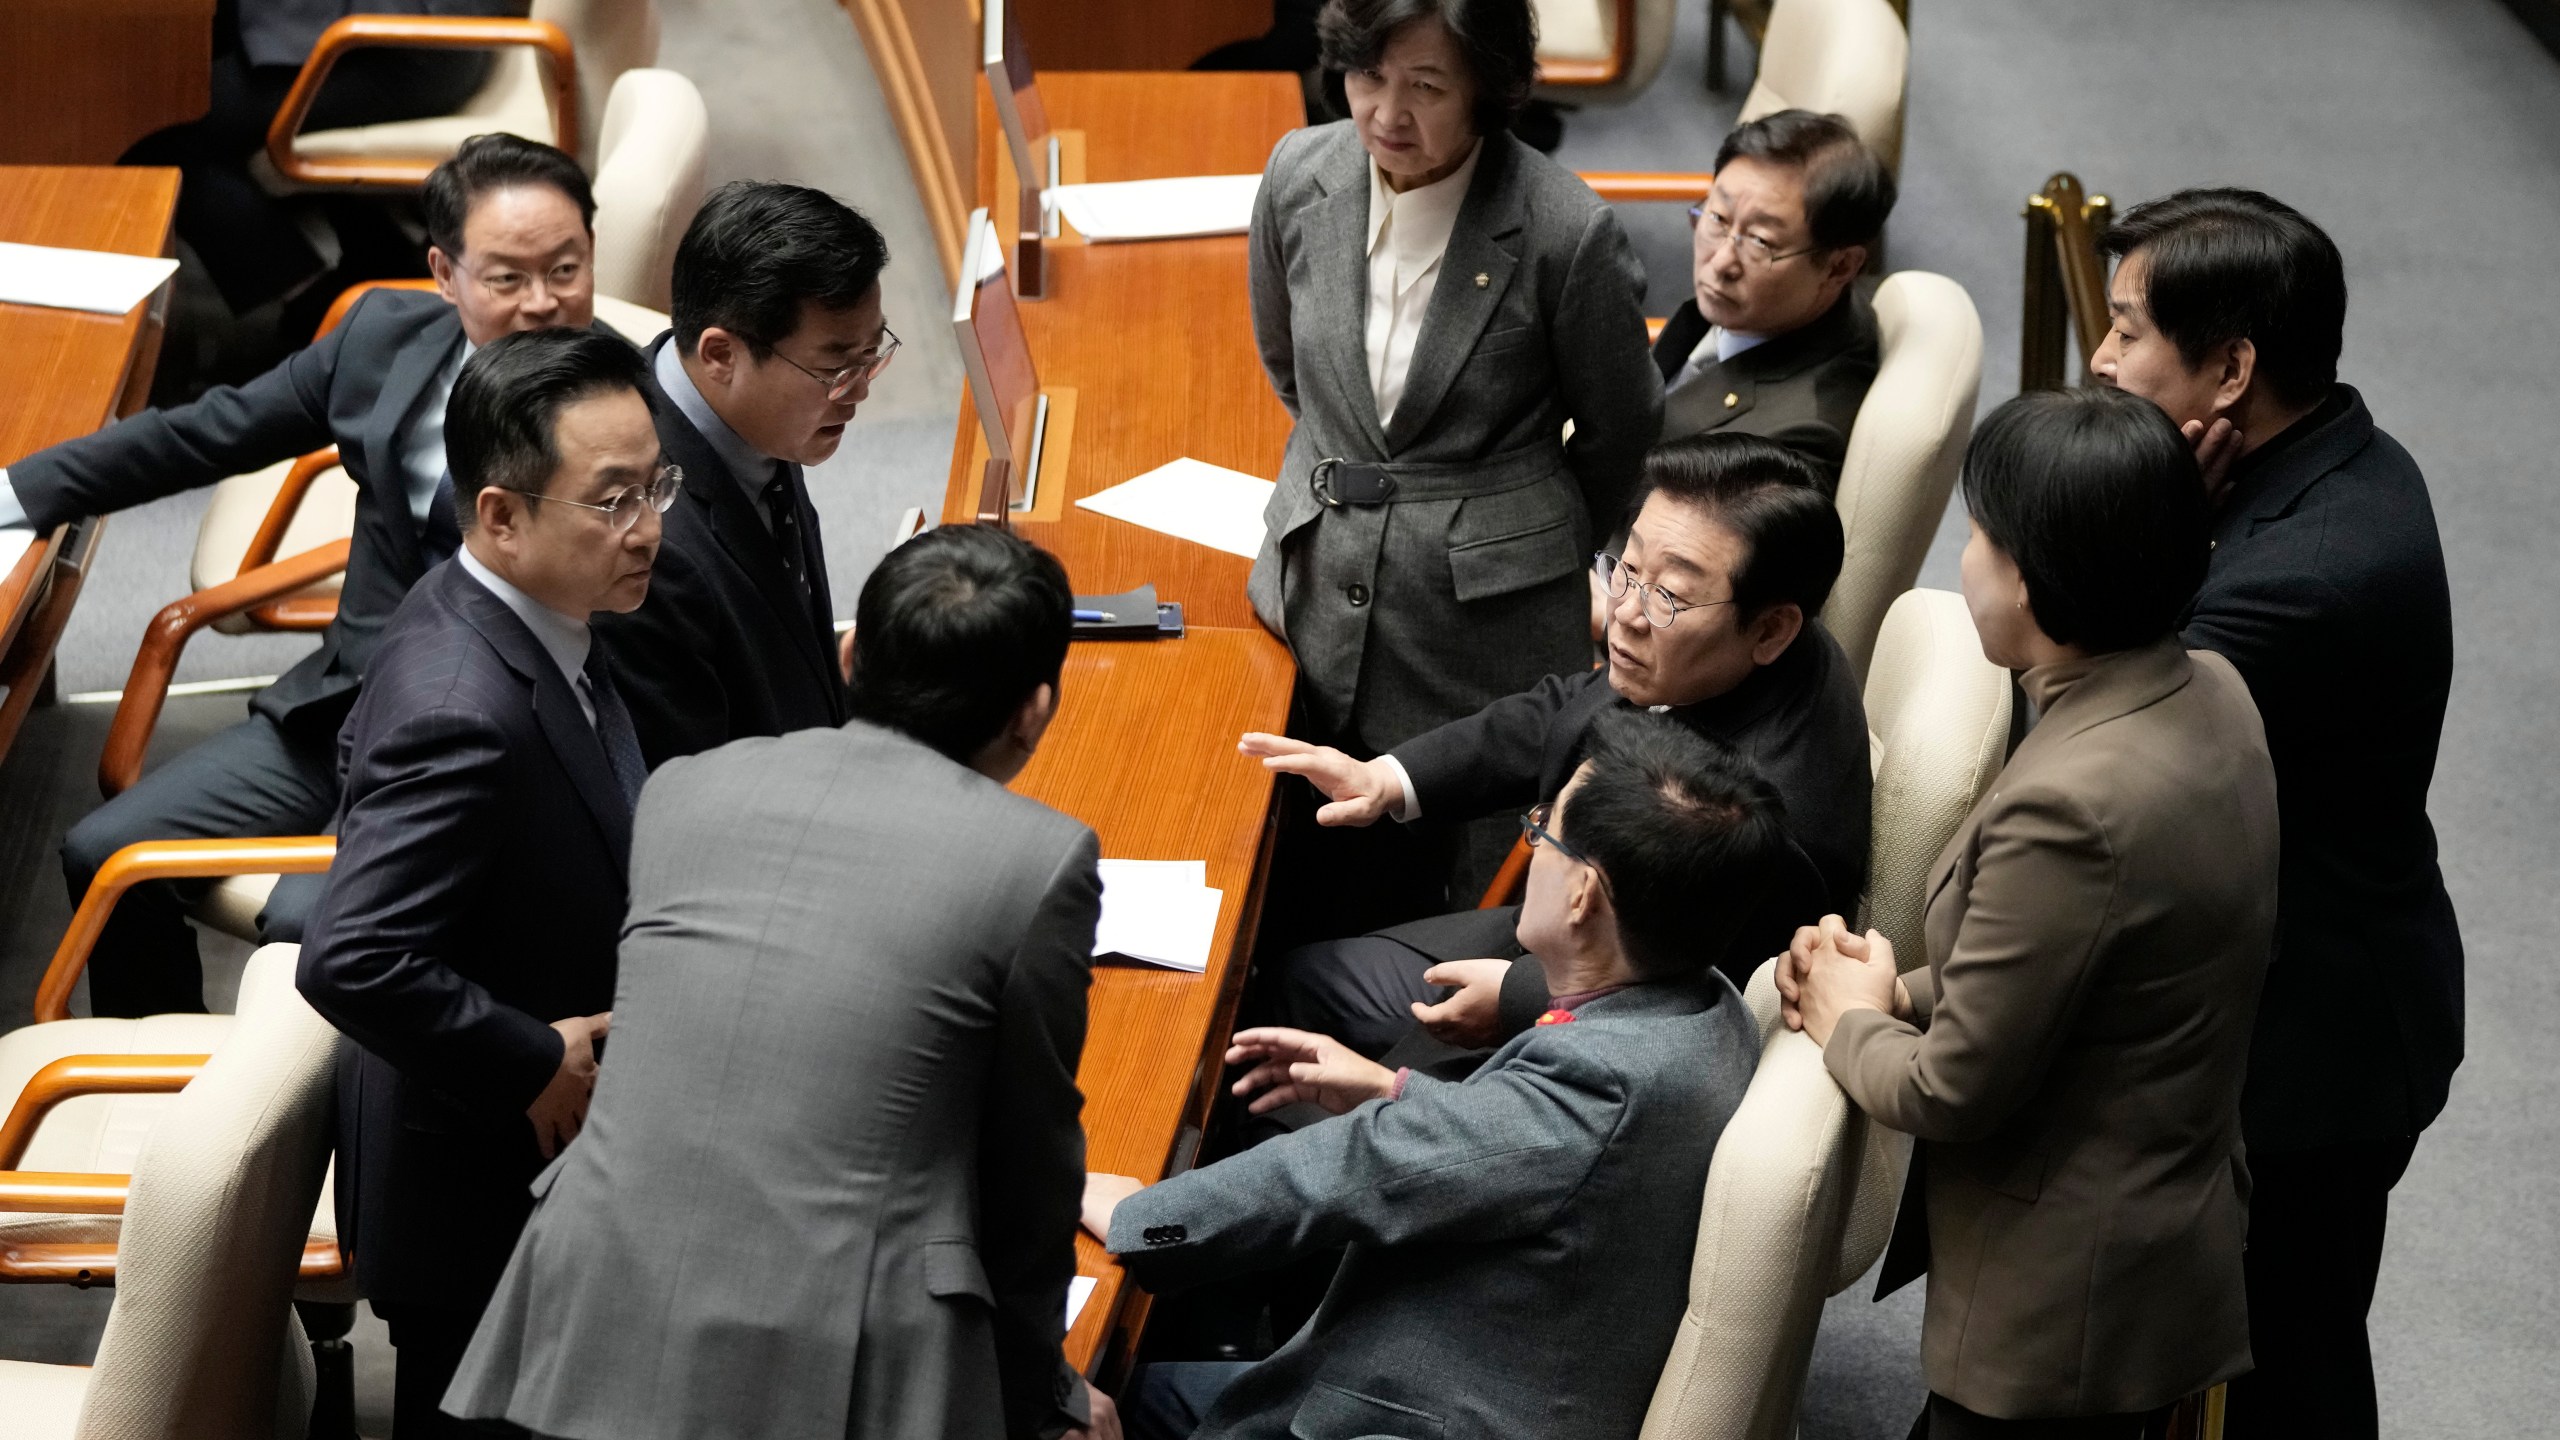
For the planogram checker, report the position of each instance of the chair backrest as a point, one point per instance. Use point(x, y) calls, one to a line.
point(1937, 735)
point(1836, 57)
point(1578, 37)
point(1904, 449)
point(648, 183)
point(202, 1341)
point(1799, 1202)
point(611, 36)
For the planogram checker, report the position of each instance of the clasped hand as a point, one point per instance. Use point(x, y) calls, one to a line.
point(1290, 1066)
point(560, 1111)
point(1830, 970)
point(1361, 792)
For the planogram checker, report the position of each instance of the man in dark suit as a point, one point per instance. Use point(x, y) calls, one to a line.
point(778, 335)
point(2327, 590)
point(1518, 1243)
point(1730, 558)
point(511, 246)
point(465, 943)
point(1777, 341)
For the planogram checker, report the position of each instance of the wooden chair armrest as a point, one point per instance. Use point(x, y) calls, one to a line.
point(57, 1193)
point(147, 688)
point(73, 1076)
point(429, 32)
point(348, 297)
point(281, 510)
point(1637, 187)
point(166, 860)
point(1622, 57)
point(1505, 886)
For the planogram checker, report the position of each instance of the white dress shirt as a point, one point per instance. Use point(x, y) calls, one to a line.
point(562, 637)
point(1719, 346)
point(752, 468)
point(1408, 234)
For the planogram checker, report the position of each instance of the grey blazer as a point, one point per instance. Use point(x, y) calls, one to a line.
point(829, 1182)
point(1519, 1242)
point(1466, 585)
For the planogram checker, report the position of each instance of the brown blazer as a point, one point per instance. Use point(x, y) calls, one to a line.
point(2097, 932)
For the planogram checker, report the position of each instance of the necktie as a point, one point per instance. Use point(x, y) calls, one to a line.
point(781, 505)
point(613, 727)
point(442, 533)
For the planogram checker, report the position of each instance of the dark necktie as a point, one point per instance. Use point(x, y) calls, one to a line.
point(613, 727)
point(783, 507)
point(441, 535)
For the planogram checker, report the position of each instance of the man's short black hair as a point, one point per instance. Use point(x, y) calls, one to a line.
point(1848, 192)
point(501, 424)
point(497, 162)
point(2231, 265)
point(954, 630)
point(1686, 832)
point(758, 249)
point(1764, 492)
point(1498, 40)
point(2096, 497)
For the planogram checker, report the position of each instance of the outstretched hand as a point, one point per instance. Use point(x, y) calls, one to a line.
point(1362, 792)
point(1290, 1066)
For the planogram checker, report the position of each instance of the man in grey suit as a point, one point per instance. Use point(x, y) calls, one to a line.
point(828, 1182)
point(1777, 340)
point(1519, 1242)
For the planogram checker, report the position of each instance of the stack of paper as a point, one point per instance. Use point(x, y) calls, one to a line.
point(1079, 1290)
point(1192, 500)
point(1161, 912)
point(107, 283)
point(1159, 209)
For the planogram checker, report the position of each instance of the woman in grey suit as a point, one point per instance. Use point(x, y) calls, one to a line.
point(1434, 302)
point(2070, 1056)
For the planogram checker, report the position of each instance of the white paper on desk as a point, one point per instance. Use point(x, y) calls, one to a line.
point(1158, 913)
point(1079, 1290)
point(79, 279)
point(14, 540)
point(1192, 500)
point(1160, 209)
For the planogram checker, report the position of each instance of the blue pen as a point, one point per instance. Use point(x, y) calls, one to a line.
point(1094, 617)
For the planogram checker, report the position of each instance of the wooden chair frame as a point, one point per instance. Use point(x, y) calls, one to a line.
point(1622, 57)
point(414, 32)
point(2065, 283)
point(166, 860)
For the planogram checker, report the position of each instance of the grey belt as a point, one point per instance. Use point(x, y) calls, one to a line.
point(1337, 483)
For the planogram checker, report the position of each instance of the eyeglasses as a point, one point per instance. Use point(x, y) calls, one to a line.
point(1756, 253)
point(1660, 606)
point(623, 510)
point(1533, 828)
point(840, 383)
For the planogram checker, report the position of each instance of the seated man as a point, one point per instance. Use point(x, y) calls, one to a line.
point(1519, 1243)
point(1730, 558)
point(830, 1188)
point(777, 336)
point(2327, 585)
point(1777, 341)
point(510, 241)
point(465, 940)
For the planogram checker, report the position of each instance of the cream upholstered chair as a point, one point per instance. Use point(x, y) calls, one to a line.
point(1803, 1189)
point(1601, 52)
point(523, 95)
point(1904, 449)
point(648, 183)
point(1837, 57)
point(202, 1340)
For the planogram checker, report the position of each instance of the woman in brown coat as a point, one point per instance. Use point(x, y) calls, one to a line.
point(2070, 1054)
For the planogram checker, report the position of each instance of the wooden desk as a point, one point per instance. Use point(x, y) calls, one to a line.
point(87, 78)
point(1158, 343)
point(1155, 337)
point(64, 373)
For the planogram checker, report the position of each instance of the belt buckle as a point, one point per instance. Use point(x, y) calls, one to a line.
point(1337, 483)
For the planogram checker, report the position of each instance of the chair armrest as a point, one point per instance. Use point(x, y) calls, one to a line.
point(416, 32)
point(1646, 186)
point(166, 860)
point(308, 612)
point(56, 1193)
point(1505, 886)
point(73, 1076)
point(147, 688)
point(1622, 57)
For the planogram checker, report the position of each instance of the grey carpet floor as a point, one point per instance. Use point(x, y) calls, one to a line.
point(2420, 132)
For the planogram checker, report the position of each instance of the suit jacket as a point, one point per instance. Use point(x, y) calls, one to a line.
point(476, 898)
point(350, 388)
point(282, 32)
point(2327, 591)
point(1799, 719)
point(725, 647)
point(1519, 1242)
point(830, 1180)
point(1801, 389)
point(1469, 587)
point(2097, 931)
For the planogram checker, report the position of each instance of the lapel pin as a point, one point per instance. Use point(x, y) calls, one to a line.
point(1482, 280)
point(1731, 400)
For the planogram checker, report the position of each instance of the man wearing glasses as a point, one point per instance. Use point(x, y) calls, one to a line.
point(511, 245)
point(465, 940)
point(778, 334)
point(1776, 340)
point(1711, 621)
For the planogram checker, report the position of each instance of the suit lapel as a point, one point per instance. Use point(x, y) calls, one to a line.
point(413, 368)
point(1338, 237)
point(1484, 246)
point(573, 741)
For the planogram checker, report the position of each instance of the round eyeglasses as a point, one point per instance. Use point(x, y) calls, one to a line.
point(1660, 606)
point(841, 382)
point(1757, 254)
point(623, 510)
